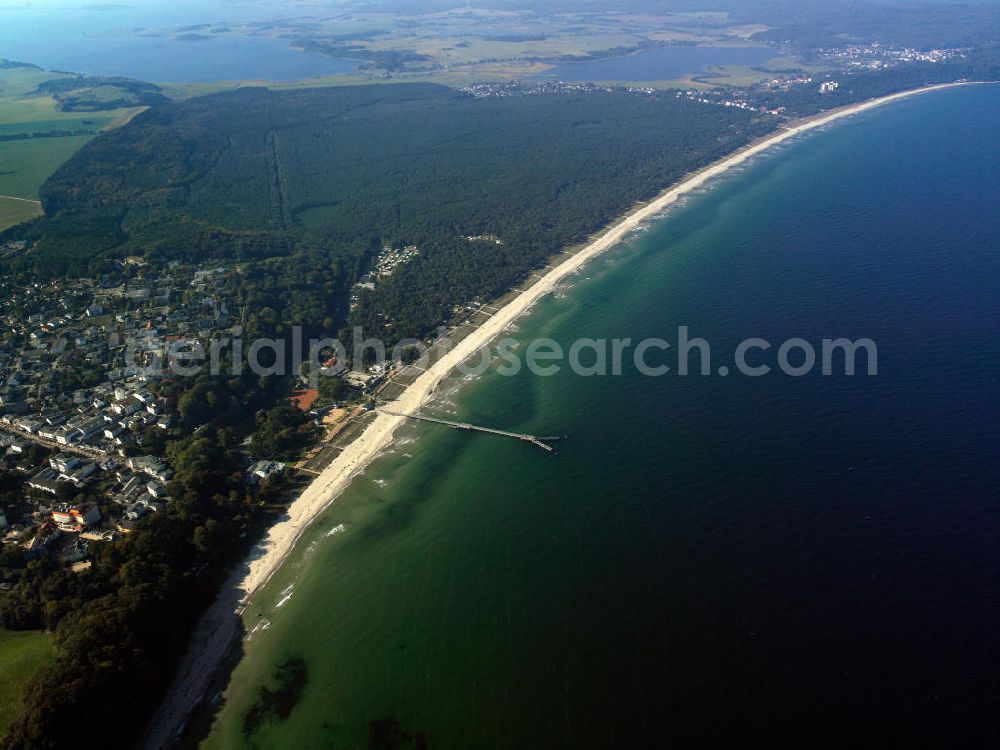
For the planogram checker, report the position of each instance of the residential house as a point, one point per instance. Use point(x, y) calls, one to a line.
point(263, 470)
point(47, 480)
point(75, 518)
point(151, 466)
point(64, 463)
point(127, 406)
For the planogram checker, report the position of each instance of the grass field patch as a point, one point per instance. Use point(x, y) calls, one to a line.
point(22, 654)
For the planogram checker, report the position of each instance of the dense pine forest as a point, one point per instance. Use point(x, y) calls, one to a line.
point(323, 178)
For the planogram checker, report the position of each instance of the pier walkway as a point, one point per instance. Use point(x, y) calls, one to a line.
point(533, 439)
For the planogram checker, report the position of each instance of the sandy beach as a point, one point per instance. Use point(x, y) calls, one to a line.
point(220, 624)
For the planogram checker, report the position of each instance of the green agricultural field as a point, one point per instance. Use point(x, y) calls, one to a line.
point(26, 163)
point(22, 654)
point(78, 122)
point(743, 75)
point(24, 166)
point(15, 82)
point(476, 49)
point(14, 211)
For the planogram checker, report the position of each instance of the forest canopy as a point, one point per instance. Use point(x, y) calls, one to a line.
point(256, 174)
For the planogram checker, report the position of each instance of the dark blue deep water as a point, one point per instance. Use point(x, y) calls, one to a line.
point(708, 561)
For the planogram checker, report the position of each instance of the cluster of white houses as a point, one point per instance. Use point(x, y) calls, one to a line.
point(99, 423)
point(78, 379)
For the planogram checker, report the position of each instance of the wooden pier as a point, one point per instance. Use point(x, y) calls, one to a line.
point(533, 439)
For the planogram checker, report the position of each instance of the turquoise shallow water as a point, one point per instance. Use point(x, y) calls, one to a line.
point(707, 560)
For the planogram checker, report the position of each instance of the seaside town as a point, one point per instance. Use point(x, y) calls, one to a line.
point(875, 55)
point(83, 415)
point(836, 63)
point(78, 418)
